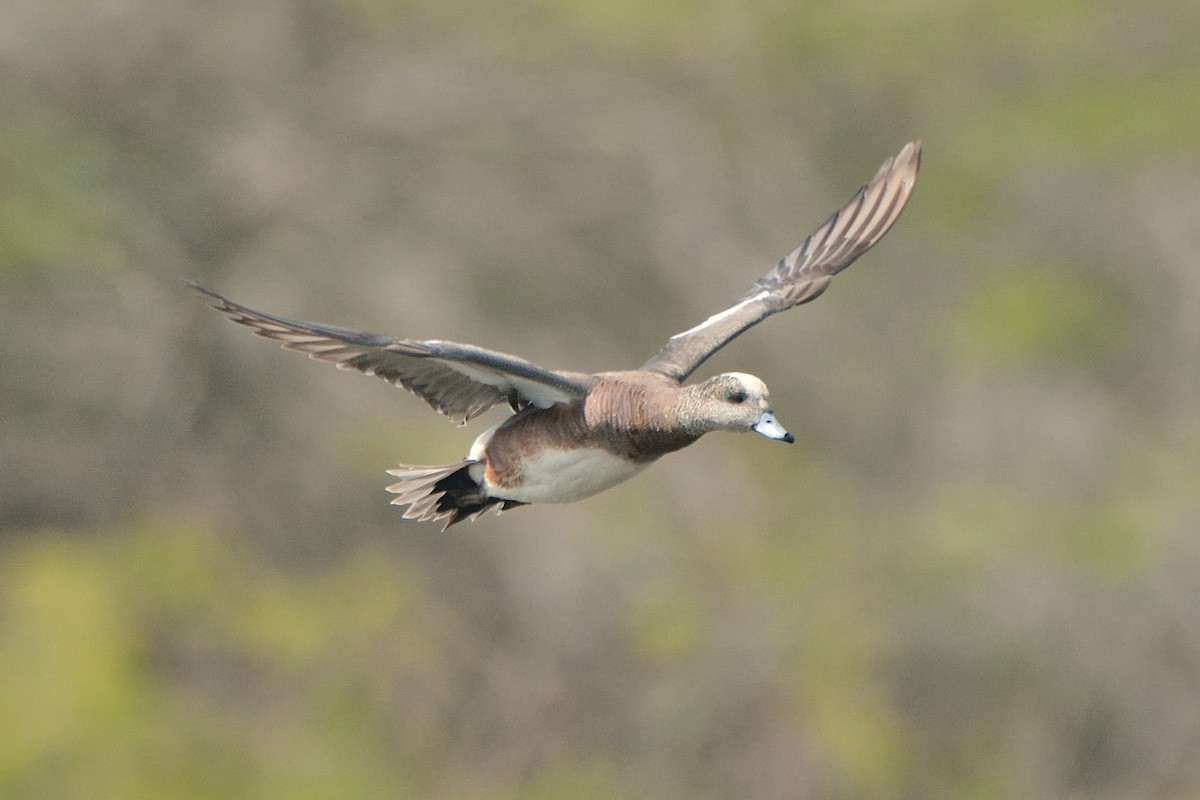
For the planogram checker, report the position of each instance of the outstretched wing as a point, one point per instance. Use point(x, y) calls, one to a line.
point(804, 273)
point(459, 380)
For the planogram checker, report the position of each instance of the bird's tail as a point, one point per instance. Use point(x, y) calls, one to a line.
point(450, 492)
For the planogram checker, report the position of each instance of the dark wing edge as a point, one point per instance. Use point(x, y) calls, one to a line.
point(460, 381)
point(804, 273)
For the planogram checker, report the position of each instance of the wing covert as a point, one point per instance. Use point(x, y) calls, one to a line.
point(458, 380)
point(804, 273)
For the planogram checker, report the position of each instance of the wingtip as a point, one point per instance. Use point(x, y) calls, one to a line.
point(910, 156)
point(904, 164)
point(201, 290)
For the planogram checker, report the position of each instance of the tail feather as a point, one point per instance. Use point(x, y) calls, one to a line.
point(448, 492)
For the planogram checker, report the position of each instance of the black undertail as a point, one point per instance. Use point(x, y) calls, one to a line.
point(447, 493)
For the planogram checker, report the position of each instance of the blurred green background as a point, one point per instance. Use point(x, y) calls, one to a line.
point(976, 576)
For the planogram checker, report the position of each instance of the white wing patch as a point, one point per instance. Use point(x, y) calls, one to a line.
point(539, 394)
point(722, 315)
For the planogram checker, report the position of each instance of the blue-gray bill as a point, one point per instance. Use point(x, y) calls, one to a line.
point(769, 427)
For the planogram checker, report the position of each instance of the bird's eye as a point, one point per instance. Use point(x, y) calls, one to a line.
point(737, 397)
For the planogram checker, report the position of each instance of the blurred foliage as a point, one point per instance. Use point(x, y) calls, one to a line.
point(1033, 312)
point(974, 578)
point(122, 645)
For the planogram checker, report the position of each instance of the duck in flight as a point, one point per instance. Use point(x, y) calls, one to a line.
point(572, 434)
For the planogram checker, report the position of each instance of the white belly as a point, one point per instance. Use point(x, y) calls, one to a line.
point(563, 476)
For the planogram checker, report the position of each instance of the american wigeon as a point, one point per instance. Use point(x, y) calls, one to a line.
point(572, 434)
